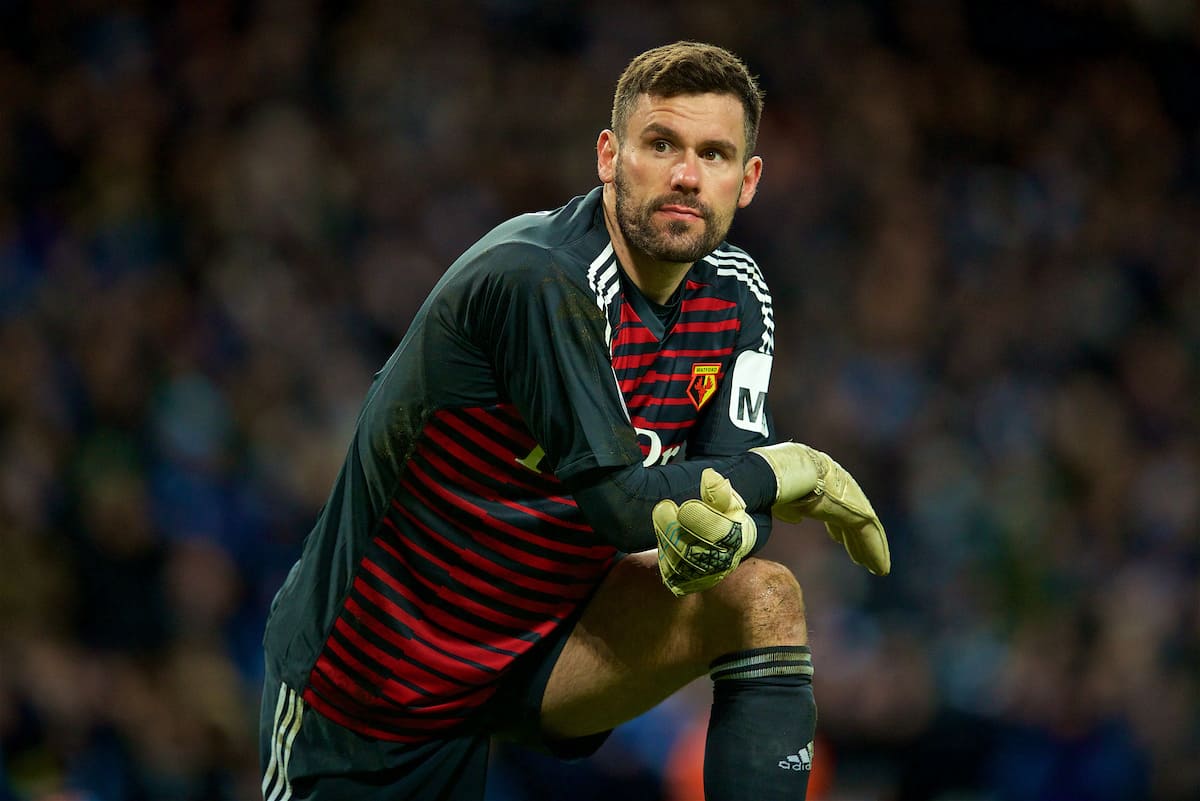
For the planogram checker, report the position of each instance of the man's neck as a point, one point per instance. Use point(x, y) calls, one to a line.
point(656, 280)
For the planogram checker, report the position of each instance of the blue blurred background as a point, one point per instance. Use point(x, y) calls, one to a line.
point(981, 224)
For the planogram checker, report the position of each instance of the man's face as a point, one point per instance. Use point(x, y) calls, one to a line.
point(679, 175)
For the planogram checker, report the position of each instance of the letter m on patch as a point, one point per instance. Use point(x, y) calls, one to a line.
point(749, 410)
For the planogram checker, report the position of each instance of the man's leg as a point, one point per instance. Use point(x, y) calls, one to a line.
point(636, 644)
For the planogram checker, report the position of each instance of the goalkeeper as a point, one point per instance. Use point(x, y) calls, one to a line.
point(546, 520)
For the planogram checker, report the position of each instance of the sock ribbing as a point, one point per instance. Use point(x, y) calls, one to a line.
point(753, 663)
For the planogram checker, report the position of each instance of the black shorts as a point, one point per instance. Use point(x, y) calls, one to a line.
point(307, 756)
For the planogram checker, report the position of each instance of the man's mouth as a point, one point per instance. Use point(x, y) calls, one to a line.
point(681, 212)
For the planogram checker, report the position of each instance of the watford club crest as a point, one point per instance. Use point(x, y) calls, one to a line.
point(703, 384)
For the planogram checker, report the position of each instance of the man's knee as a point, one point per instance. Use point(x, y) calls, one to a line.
point(759, 604)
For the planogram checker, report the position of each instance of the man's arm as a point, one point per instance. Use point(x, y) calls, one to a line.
point(546, 338)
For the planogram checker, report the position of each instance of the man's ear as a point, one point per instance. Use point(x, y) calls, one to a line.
point(606, 156)
point(750, 181)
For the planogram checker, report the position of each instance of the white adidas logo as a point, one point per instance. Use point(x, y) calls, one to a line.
point(801, 760)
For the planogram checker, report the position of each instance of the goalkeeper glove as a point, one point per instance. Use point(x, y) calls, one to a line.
point(810, 484)
point(702, 541)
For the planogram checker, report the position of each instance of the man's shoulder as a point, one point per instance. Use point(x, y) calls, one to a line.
point(549, 231)
point(524, 248)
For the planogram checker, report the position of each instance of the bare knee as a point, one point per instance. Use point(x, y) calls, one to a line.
point(758, 604)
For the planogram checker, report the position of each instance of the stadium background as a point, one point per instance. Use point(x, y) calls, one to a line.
point(981, 224)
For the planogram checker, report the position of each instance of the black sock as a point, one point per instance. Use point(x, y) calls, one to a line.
point(761, 730)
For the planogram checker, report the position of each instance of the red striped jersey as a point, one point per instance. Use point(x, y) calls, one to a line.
point(449, 546)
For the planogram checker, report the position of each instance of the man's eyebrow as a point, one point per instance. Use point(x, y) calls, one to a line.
point(671, 133)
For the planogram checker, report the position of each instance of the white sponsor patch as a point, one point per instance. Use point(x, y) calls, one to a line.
point(748, 398)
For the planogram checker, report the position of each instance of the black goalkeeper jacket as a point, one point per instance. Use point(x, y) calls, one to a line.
point(506, 454)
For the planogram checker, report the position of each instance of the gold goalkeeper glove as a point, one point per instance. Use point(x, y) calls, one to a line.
point(810, 484)
point(701, 541)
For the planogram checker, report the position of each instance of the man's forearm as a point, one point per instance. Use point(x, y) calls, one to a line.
point(618, 503)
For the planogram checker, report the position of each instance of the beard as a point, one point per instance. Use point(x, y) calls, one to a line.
point(678, 241)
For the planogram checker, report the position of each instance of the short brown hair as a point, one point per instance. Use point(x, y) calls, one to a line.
point(686, 68)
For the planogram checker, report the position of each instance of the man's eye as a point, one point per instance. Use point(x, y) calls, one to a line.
point(712, 155)
point(661, 146)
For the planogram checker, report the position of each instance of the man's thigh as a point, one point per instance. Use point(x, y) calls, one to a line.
point(635, 644)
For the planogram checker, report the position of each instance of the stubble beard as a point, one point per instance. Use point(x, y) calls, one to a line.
point(679, 241)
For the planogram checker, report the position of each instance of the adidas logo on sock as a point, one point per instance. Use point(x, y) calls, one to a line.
point(801, 760)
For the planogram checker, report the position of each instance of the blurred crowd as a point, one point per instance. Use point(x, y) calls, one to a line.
point(981, 225)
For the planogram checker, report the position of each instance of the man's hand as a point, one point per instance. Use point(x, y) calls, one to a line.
point(702, 541)
point(810, 484)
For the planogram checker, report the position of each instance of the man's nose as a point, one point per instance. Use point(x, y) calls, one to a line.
point(685, 175)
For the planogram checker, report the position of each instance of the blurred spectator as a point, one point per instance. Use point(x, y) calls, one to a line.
point(981, 225)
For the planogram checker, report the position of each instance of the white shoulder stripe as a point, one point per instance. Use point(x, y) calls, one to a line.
point(604, 279)
point(745, 263)
point(605, 282)
point(602, 270)
point(745, 270)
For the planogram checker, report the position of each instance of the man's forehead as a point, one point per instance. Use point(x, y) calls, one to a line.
point(717, 114)
point(717, 100)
